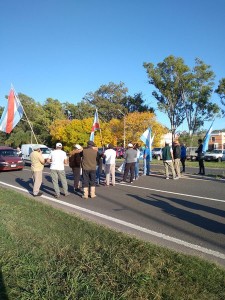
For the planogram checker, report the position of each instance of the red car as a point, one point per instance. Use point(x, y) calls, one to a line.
point(9, 159)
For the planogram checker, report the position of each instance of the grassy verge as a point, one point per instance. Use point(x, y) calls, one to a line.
point(47, 254)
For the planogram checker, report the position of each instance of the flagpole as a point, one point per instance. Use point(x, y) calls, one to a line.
point(28, 121)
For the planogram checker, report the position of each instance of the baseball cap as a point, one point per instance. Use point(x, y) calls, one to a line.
point(130, 145)
point(77, 146)
point(36, 147)
point(58, 145)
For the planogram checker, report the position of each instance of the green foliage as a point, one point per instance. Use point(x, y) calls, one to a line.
point(168, 77)
point(221, 92)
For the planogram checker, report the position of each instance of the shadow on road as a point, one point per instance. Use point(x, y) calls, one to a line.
point(186, 215)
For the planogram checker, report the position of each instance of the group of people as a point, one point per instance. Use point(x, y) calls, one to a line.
point(87, 164)
point(173, 156)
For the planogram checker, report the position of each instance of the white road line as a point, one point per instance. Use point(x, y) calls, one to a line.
point(174, 193)
point(130, 225)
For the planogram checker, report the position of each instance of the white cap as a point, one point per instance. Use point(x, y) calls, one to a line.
point(36, 147)
point(130, 145)
point(58, 145)
point(78, 146)
point(167, 142)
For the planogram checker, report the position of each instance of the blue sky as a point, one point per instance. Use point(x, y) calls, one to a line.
point(64, 49)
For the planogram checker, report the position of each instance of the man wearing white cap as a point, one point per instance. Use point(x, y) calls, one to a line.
point(130, 158)
point(58, 159)
point(37, 166)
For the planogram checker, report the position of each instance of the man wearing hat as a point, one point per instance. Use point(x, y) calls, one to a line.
point(130, 158)
point(89, 156)
point(75, 165)
point(167, 156)
point(58, 159)
point(37, 166)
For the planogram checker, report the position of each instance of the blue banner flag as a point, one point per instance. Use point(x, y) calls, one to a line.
point(206, 139)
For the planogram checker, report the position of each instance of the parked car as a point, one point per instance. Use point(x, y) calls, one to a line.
point(157, 153)
point(215, 155)
point(9, 159)
point(191, 154)
point(26, 150)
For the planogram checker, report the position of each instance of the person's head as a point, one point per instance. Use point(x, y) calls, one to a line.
point(77, 147)
point(136, 146)
point(90, 144)
point(130, 145)
point(176, 142)
point(110, 146)
point(36, 148)
point(199, 141)
point(167, 142)
point(58, 146)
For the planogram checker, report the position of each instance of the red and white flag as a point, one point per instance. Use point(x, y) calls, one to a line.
point(12, 113)
point(95, 126)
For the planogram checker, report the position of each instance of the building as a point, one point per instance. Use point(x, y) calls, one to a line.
point(217, 140)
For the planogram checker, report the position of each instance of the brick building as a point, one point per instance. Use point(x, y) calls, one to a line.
point(217, 140)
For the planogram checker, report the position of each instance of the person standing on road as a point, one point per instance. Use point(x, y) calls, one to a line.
point(176, 157)
point(183, 156)
point(75, 165)
point(58, 159)
point(167, 156)
point(110, 165)
point(200, 157)
point(37, 166)
point(89, 161)
point(146, 159)
point(136, 170)
point(130, 159)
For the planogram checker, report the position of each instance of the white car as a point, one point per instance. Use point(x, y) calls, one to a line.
point(215, 155)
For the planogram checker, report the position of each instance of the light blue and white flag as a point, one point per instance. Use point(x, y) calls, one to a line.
point(146, 137)
point(207, 138)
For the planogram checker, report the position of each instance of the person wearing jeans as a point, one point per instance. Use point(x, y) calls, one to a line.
point(146, 158)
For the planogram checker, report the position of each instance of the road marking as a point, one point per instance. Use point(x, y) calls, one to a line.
point(129, 225)
point(174, 193)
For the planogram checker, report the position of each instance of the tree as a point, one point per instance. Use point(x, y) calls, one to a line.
point(221, 92)
point(166, 77)
point(108, 99)
point(196, 94)
point(135, 103)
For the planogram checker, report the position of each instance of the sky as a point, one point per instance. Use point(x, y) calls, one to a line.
point(65, 49)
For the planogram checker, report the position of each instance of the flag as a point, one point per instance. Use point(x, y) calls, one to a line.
point(206, 139)
point(95, 126)
point(12, 113)
point(146, 137)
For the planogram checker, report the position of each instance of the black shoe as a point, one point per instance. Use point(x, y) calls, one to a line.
point(57, 196)
point(38, 194)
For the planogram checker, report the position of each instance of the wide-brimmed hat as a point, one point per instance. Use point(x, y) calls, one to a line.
point(77, 146)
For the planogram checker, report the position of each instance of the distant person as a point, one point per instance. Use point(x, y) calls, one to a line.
point(146, 160)
point(110, 165)
point(37, 166)
point(75, 165)
point(89, 161)
point(99, 166)
point(200, 157)
point(167, 156)
point(58, 159)
point(136, 169)
point(130, 159)
point(183, 156)
point(19, 152)
point(176, 157)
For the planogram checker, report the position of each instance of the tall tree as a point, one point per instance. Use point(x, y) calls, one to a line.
point(196, 94)
point(221, 92)
point(108, 100)
point(136, 103)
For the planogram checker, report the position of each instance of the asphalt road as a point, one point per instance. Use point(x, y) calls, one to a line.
point(187, 215)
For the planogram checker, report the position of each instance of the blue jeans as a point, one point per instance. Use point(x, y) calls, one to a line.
point(136, 170)
point(146, 167)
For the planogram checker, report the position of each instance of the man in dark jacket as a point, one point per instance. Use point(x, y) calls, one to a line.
point(75, 165)
point(89, 155)
point(200, 158)
point(176, 157)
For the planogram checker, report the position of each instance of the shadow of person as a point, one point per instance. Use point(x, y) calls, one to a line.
point(3, 293)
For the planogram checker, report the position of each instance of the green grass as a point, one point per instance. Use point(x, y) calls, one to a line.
point(48, 254)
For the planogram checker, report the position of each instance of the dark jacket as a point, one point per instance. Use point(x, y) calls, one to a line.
point(89, 159)
point(176, 151)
